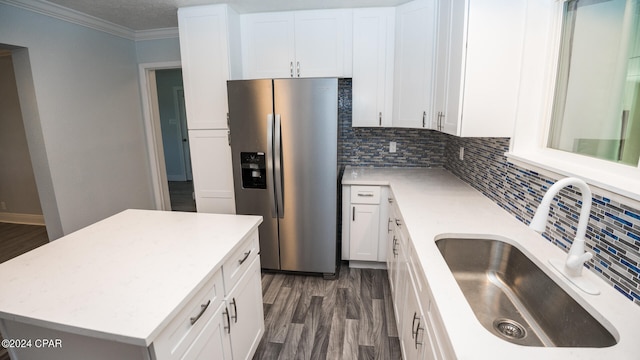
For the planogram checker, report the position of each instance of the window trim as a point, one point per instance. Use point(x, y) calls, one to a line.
point(535, 102)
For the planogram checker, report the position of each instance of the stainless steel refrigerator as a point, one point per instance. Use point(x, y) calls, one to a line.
point(284, 151)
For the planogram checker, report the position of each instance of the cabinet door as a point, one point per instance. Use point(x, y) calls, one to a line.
point(414, 336)
point(492, 66)
point(212, 171)
point(204, 49)
point(392, 251)
point(268, 45)
point(363, 236)
point(246, 314)
point(213, 340)
point(373, 39)
point(322, 42)
point(414, 64)
point(454, 69)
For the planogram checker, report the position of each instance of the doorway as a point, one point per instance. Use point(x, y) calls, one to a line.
point(175, 138)
point(167, 136)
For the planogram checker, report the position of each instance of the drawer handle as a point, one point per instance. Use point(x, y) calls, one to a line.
point(203, 308)
point(413, 325)
point(235, 311)
point(246, 255)
point(365, 194)
point(398, 223)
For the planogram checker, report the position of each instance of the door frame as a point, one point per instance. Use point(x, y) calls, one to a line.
point(151, 115)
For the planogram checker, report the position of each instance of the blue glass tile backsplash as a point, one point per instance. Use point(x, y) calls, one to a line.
point(613, 230)
point(613, 233)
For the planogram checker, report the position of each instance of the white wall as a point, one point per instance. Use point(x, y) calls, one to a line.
point(85, 127)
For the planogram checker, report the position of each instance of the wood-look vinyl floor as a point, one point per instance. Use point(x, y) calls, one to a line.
point(308, 317)
point(15, 240)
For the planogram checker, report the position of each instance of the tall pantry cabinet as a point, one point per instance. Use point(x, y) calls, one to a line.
point(210, 51)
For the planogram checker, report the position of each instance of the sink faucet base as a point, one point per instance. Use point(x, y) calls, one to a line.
point(579, 281)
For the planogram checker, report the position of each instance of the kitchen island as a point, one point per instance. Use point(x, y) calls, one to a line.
point(138, 285)
point(427, 205)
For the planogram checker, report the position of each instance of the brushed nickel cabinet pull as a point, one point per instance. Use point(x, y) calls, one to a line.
point(227, 327)
point(246, 255)
point(235, 310)
point(203, 308)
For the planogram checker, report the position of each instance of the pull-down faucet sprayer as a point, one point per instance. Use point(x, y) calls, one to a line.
point(572, 267)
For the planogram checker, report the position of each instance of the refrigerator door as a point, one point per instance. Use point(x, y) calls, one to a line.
point(251, 126)
point(308, 126)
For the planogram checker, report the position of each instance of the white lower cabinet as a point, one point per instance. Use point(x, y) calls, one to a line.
point(246, 324)
point(420, 329)
point(364, 224)
point(234, 329)
point(413, 337)
point(213, 341)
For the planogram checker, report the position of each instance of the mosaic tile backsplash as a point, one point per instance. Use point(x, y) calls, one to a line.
point(370, 146)
point(613, 233)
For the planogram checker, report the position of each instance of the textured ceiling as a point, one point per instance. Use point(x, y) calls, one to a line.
point(157, 14)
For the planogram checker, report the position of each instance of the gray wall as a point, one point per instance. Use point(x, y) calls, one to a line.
point(80, 102)
point(159, 50)
point(17, 183)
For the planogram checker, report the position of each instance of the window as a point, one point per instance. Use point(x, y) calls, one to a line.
point(596, 107)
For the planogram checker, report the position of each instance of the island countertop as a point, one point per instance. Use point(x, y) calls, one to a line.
point(122, 278)
point(435, 204)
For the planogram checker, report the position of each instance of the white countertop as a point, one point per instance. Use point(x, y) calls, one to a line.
point(122, 278)
point(436, 204)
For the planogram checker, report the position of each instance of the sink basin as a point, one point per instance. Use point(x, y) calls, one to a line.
point(515, 300)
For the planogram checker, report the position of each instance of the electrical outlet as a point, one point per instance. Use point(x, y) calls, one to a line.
point(461, 156)
point(392, 146)
point(3, 205)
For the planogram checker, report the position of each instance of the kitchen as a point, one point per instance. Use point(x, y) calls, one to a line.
point(481, 161)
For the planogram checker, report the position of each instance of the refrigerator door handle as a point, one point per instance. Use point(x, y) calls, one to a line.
point(277, 158)
point(272, 198)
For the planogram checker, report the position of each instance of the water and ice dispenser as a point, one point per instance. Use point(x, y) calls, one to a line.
point(254, 170)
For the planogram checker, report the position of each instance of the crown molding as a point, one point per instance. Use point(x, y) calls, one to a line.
point(156, 34)
point(62, 13)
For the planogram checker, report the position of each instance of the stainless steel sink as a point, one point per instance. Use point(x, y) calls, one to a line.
point(515, 300)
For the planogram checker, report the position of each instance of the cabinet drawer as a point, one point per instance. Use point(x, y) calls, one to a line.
point(365, 194)
point(239, 261)
point(177, 337)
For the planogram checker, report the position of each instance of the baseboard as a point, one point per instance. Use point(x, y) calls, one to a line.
point(27, 219)
point(367, 265)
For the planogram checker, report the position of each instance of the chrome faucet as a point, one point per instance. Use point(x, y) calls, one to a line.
point(572, 268)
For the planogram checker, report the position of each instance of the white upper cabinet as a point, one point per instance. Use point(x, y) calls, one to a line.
point(414, 64)
point(210, 52)
point(482, 40)
point(315, 43)
point(372, 81)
